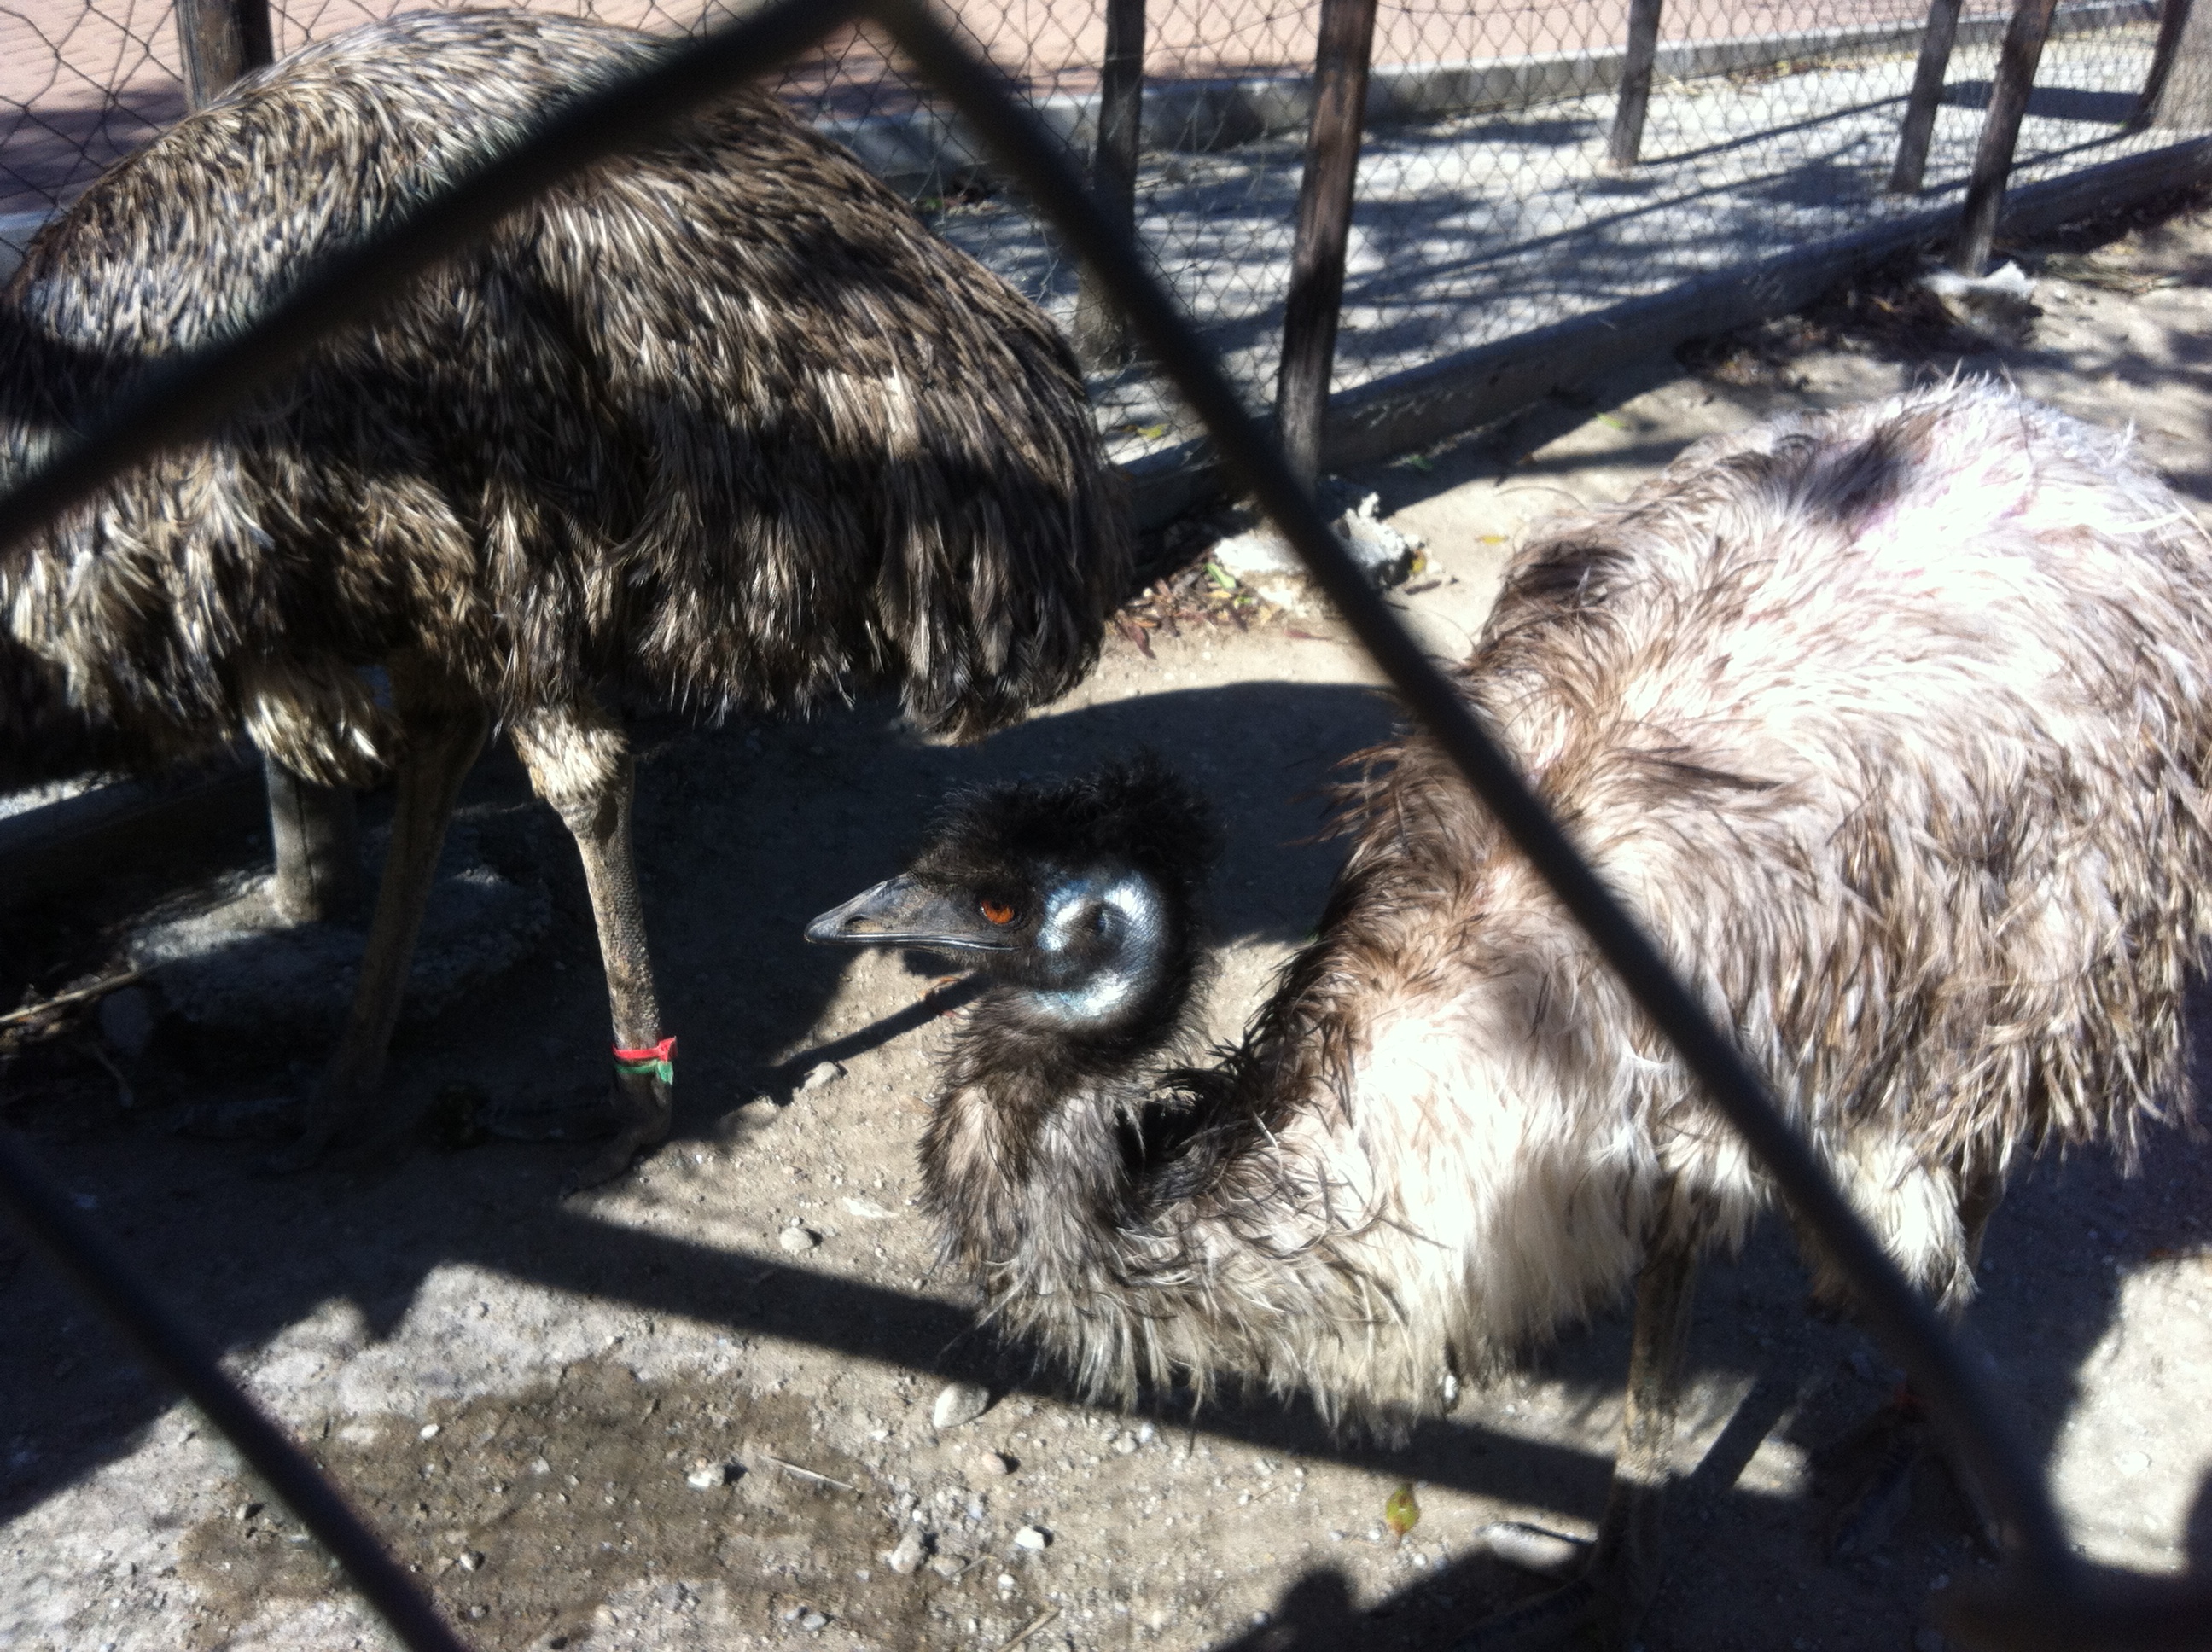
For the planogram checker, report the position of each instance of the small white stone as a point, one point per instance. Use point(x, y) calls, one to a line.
point(958, 1403)
point(795, 1239)
point(814, 1620)
point(868, 1210)
point(992, 1465)
point(705, 1476)
point(1031, 1539)
point(1006, 1582)
point(472, 1561)
point(758, 1113)
point(948, 1566)
point(427, 1432)
point(822, 1073)
point(906, 1559)
point(1124, 1444)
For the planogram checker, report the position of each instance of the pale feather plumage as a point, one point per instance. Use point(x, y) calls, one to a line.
point(1893, 726)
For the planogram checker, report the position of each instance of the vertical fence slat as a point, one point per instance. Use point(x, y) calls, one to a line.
point(221, 41)
point(2017, 59)
point(1627, 140)
point(2177, 91)
point(1102, 336)
point(1935, 42)
point(315, 833)
point(1316, 290)
point(2172, 19)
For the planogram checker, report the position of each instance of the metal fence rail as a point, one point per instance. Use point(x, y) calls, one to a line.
point(2045, 1597)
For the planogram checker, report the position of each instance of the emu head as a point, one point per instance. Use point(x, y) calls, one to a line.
point(1076, 901)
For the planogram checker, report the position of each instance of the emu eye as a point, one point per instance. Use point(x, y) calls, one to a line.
point(998, 911)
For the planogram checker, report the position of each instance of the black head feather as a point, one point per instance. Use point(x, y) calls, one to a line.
point(1136, 814)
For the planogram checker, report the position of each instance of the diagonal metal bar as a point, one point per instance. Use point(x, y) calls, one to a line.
point(1905, 1325)
point(175, 401)
point(91, 1261)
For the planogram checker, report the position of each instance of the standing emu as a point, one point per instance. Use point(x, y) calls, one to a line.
point(1893, 724)
point(718, 422)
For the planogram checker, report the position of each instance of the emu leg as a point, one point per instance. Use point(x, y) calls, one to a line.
point(1902, 1431)
point(1618, 1585)
point(581, 763)
point(445, 728)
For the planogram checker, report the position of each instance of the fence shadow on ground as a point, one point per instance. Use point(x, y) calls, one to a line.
point(741, 839)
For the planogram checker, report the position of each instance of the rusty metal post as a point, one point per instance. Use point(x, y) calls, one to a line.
point(1935, 43)
point(1627, 140)
point(221, 41)
point(314, 834)
point(316, 841)
point(1102, 337)
point(2184, 39)
point(1309, 315)
point(2015, 79)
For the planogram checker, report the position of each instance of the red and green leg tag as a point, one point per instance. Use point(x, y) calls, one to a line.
point(660, 1060)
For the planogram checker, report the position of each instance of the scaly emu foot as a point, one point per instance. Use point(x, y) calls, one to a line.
point(645, 1106)
point(333, 1104)
point(1891, 1443)
point(1599, 1611)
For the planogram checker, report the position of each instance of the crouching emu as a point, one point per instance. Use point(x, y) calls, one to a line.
point(1892, 724)
point(718, 422)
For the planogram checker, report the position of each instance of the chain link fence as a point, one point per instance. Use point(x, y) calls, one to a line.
point(2046, 1597)
point(1485, 205)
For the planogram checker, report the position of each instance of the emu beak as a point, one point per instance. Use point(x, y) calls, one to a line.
point(905, 912)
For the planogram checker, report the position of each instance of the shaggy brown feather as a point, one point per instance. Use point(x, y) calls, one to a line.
point(721, 421)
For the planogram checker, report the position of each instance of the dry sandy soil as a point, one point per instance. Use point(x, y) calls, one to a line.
point(636, 1418)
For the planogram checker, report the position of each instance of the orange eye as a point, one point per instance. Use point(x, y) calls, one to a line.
point(999, 912)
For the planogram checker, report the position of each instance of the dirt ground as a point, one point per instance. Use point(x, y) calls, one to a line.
point(641, 1418)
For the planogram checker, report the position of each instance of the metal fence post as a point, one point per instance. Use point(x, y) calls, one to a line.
point(1309, 313)
point(314, 833)
point(1935, 43)
point(1102, 336)
point(316, 836)
point(2184, 41)
point(1627, 140)
point(2015, 79)
point(221, 40)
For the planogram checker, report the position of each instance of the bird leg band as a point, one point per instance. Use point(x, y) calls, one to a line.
point(660, 1060)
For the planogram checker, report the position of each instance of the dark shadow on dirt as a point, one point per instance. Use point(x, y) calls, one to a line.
point(744, 837)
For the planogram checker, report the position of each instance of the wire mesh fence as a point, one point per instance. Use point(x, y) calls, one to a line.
point(2049, 1592)
point(1485, 204)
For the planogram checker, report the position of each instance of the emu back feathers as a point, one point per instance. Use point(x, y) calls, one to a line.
point(721, 421)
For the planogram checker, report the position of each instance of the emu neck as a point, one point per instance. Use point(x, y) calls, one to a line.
point(1034, 1151)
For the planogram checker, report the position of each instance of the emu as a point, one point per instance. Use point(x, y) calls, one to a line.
point(718, 423)
point(1893, 725)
